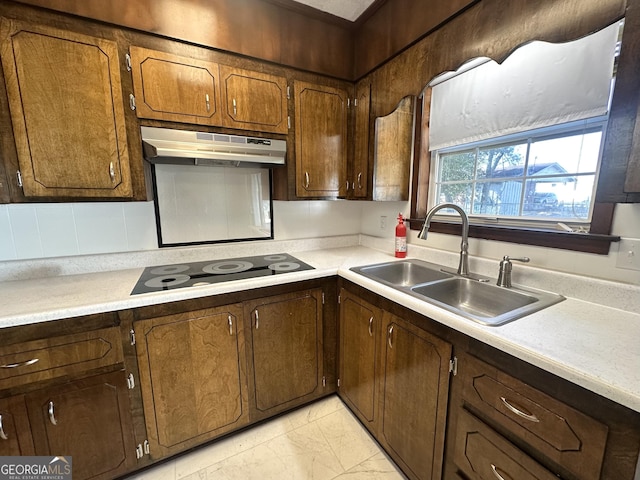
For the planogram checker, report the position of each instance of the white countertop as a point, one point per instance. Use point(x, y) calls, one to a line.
point(589, 344)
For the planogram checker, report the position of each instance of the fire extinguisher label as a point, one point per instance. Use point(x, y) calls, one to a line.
point(401, 244)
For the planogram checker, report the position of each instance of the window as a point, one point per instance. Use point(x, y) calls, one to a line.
point(541, 178)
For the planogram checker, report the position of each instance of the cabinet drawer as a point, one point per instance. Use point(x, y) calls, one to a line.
point(38, 360)
point(559, 432)
point(482, 454)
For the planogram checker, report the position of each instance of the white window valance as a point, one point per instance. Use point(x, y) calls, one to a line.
point(539, 85)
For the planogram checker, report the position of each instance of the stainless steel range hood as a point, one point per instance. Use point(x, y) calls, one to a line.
point(182, 147)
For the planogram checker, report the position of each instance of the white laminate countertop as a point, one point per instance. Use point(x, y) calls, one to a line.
point(589, 344)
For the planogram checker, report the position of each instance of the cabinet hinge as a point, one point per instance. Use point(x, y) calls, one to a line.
point(142, 449)
point(453, 366)
point(289, 122)
point(19, 177)
point(131, 382)
point(288, 92)
point(324, 381)
point(132, 337)
point(132, 101)
point(127, 61)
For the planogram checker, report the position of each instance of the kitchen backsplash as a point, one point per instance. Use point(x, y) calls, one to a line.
point(40, 231)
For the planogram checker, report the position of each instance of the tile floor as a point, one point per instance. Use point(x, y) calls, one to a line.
point(322, 441)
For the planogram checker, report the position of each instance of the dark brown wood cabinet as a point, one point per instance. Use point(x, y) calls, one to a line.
point(395, 378)
point(360, 327)
point(88, 419)
point(192, 376)
point(565, 441)
point(359, 171)
point(15, 431)
point(253, 101)
point(320, 140)
point(175, 88)
point(287, 349)
point(414, 395)
point(67, 112)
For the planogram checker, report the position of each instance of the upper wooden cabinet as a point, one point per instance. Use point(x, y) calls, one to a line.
point(67, 112)
point(253, 100)
point(321, 140)
point(174, 88)
point(393, 153)
point(359, 176)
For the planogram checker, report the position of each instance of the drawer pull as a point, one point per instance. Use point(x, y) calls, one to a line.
point(495, 472)
point(3, 435)
point(371, 327)
point(21, 364)
point(52, 416)
point(520, 413)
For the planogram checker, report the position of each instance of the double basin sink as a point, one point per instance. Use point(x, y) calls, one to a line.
point(473, 298)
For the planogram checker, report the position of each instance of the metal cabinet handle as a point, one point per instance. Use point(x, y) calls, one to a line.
point(390, 336)
point(20, 364)
point(495, 472)
point(230, 325)
point(520, 413)
point(206, 99)
point(52, 416)
point(235, 105)
point(371, 327)
point(112, 172)
point(3, 435)
point(257, 319)
point(347, 185)
point(306, 179)
point(360, 181)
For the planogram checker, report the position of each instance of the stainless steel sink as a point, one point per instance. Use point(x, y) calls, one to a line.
point(473, 298)
point(404, 274)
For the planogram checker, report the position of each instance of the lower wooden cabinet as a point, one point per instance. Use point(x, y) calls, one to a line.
point(414, 394)
point(397, 384)
point(192, 376)
point(87, 419)
point(360, 327)
point(482, 454)
point(286, 337)
point(15, 431)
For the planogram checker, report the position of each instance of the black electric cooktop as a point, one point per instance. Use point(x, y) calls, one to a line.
point(170, 277)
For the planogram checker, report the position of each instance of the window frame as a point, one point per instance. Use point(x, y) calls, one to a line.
point(598, 240)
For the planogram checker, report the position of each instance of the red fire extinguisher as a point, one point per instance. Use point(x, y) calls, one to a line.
point(401, 238)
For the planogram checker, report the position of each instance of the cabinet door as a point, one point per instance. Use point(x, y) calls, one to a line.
point(321, 140)
point(192, 377)
point(173, 88)
point(360, 171)
point(286, 333)
point(89, 420)
point(67, 112)
point(360, 326)
point(15, 431)
point(415, 391)
point(253, 100)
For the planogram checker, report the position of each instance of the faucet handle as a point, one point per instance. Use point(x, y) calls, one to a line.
point(504, 277)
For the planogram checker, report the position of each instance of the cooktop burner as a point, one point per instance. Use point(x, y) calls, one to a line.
point(169, 277)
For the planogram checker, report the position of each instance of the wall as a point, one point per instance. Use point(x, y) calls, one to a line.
point(68, 229)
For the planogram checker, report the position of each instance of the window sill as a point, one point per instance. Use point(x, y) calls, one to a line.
point(577, 242)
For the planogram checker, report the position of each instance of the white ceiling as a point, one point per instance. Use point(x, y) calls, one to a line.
point(348, 9)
